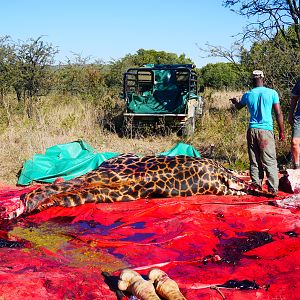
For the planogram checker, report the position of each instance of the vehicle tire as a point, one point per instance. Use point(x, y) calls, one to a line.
point(127, 128)
point(190, 126)
point(190, 123)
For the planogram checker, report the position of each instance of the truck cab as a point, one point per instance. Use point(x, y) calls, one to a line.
point(159, 97)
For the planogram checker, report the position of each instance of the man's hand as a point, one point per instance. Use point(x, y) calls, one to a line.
point(234, 100)
point(281, 136)
point(237, 104)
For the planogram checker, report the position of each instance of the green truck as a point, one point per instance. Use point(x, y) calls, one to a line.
point(161, 97)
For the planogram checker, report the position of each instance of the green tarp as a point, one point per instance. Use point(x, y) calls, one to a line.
point(161, 102)
point(74, 159)
point(181, 149)
point(164, 97)
point(66, 160)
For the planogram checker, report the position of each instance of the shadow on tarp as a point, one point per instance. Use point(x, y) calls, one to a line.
point(200, 241)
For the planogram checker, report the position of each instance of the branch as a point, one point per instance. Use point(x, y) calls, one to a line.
point(232, 54)
point(272, 16)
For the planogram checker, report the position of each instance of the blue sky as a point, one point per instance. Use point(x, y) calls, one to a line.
point(110, 29)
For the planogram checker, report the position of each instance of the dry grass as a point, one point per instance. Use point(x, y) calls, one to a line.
point(19, 145)
point(220, 99)
point(63, 123)
point(58, 120)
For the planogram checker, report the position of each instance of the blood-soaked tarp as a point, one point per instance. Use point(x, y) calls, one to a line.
point(200, 241)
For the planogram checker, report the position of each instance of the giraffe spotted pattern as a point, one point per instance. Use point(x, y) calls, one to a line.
point(129, 177)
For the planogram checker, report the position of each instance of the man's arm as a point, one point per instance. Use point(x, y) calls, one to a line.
point(237, 104)
point(294, 101)
point(279, 119)
point(295, 94)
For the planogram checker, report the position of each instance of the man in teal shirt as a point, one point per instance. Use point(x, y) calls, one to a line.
point(260, 137)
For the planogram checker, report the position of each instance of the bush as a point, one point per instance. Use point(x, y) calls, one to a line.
point(223, 76)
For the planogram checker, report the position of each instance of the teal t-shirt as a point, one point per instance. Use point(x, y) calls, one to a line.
point(260, 102)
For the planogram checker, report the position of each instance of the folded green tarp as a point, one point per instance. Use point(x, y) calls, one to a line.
point(66, 160)
point(74, 159)
point(181, 149)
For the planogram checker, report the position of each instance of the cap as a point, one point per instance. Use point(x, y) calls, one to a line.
point(257, 74)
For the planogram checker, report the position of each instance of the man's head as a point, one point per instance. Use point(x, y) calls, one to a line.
point(257, 78)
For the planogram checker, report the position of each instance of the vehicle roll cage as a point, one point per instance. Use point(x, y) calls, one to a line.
point(138, 80)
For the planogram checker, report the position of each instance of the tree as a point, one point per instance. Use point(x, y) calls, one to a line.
point(143, 57)
point(32, 67)
point(281, 65)
point(272, 17)
point(7, 56)
point(70, 75)
point(82, 78)
point(223, 75)
point(275, 37)
point(114, 75)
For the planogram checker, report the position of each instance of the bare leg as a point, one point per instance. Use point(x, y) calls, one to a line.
point(295, 149)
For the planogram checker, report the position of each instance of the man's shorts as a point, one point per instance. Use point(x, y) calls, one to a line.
point(296, 127)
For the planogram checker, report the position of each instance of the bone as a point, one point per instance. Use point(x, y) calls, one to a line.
point(165, 287)
point(133, 283)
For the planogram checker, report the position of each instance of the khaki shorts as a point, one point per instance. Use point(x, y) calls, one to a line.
point(296, 127)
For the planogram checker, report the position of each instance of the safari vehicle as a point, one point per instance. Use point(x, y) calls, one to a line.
point(159, 97)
